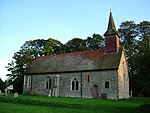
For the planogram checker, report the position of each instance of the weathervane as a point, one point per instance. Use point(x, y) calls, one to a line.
point(110, 10)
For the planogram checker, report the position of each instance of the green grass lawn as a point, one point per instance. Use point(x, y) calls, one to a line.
point(43, 104)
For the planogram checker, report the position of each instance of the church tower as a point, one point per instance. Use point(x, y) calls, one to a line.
point(111, 37)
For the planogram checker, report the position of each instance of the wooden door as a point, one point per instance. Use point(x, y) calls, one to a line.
point(95, 91)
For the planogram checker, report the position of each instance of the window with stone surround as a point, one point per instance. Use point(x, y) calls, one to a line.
point(106, 84)
point(88, 78)
point(28, 81)
point(74, 84)
point(47, 82)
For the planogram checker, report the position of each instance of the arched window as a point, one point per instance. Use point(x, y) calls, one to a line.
point(106, 84)
point(47, 83)
point(77, 85)
point(74, 84)
point(28, 81)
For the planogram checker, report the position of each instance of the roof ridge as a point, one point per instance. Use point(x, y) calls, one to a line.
point(71, 53)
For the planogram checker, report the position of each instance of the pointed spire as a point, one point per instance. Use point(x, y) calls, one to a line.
point(111, 29)
point(111, 37)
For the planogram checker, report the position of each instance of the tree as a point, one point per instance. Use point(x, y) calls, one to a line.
point(144, 30)
point(91, 43)
point(30, 50)
point(95, 42)
point(76, 44)
point(141, 76)
point(141, 67)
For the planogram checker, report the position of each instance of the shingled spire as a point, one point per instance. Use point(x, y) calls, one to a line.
point(111, 37)
point(111, 29)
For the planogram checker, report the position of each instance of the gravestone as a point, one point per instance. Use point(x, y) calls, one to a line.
point(103, 95)
point(6, 92)
point(0, 92)
point(49, 93)
point(15, 95)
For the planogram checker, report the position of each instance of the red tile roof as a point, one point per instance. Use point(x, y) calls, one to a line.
point(75, 61)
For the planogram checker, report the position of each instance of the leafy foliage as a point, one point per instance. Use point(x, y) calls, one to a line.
point(95, 42)
point(76, 44)
point(91, 43)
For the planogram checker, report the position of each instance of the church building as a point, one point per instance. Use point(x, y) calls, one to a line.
point(101, 73)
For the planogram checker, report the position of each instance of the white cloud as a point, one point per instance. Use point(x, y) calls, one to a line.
point(3, 69)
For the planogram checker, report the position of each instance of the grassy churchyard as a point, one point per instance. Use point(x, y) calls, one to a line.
point(43, 104)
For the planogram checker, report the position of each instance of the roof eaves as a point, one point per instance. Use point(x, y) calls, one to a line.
point(70, 71)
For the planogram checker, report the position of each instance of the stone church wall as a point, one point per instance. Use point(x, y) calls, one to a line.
point(123, 78)
point(87, 80)
point(99, 78)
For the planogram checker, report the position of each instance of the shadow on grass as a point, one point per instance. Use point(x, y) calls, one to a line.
point(144, 108)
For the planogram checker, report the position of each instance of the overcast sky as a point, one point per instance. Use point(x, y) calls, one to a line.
point(23, 20)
